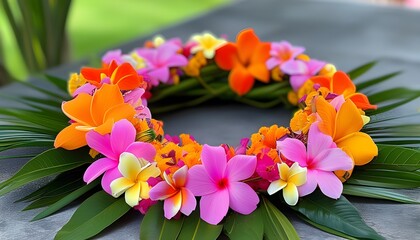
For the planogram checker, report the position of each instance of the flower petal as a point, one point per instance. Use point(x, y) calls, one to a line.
point(361, 101)
point(165, 51)
point(341, 83)
point(297, 175)
point(327, 113)
point(240, 80)
point(241, 167)
point(332, 159)
point(122, 135)
point(172, 205)
point(77, 109)
point(97, 168)
point(260, 72)
point(247, 42)
point(103, 99)
point(189, 203)
point(348, 120)
point(261, 54)
point(214, 207)
point(214, 161)
point(108, 177)
point(102, 144)
point(310, 185)
point(272, 63)
point(284, 170)
point(242, 198)
point(199, 182)
point(276, 186)
point(161, 191)
point(226, 56)
point(180, 176)
point(317, 141)
point(294, 67)
point(132, 195)
point(162, 74)
point(70, 138)
point(142, 150)
point(177, 60)
point(144, 190)
point(126, 77)
point(118, 112)
point(360, 146)
point(129, 166)
point(290, 194)
point(150, 171)
point(296, 81)
point(105, 128)
point(329, 184)
point(294, 150)
point(120, 185)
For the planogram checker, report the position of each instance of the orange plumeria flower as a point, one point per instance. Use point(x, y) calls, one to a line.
point(124, 75)
point(246, 59)
point(344, 127)
point(98, 112)
point(341, 84)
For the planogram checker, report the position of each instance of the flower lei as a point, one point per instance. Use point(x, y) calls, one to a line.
point(319, 149)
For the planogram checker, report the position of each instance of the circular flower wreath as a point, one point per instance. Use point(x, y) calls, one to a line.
point(109, 112)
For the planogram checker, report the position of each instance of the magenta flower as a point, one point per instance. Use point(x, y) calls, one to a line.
point(177, 198)
point(118, 57)
point(321, 157)
point(159, 60)
point(282, 52)
point(122, 139)
point(300, 71)
point(219, 184)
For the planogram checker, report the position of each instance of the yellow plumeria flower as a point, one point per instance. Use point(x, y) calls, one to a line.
point(136, 172)
point(158, 40)
point(290, 179)
point(207, 43)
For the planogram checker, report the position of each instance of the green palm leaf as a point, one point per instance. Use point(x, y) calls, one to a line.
point(359, 71)
point(50, 162)
point(94, 215)
point(378, 193)
point(338, 215)
point(155, 226)
point(66, 200)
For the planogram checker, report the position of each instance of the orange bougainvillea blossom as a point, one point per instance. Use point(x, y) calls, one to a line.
point(98, 112)
point(344, 127)
point(124, 75)
point(341, 84)
point(246, 61)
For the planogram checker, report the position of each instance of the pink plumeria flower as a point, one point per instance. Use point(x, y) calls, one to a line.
point(177, 197)
point(219, 184)
point(112, 146)
point(159, 60)
point(301, 71)
point(321, 157)
point(282, 52)
point(290, 179)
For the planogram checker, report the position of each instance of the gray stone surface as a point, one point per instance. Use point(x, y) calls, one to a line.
point(343, 33)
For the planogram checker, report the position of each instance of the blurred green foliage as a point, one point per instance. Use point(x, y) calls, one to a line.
point(92, 26)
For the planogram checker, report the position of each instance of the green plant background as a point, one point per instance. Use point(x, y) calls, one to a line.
point(97, 25)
